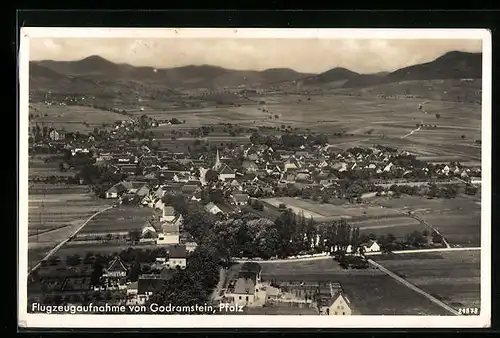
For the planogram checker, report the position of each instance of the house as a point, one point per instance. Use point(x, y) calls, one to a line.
point(177, 256)
point(244, 290)
point(170, 232)
point(388, 167)
point(213, 209)
point(446, 170)
point(226, 173)
point(168, 214)
point(371, 246)
point(115, 191)
point(139, 292)
point(337, 305)
point(56, 135)
point(240, 199)
point(116, 268)
point(250, 166)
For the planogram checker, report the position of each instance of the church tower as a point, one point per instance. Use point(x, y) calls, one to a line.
point(218, 163)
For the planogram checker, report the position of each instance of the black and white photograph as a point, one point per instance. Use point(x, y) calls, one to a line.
point(254, 177)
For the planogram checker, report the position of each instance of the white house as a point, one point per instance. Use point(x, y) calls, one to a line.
point(446, 170)
point(177, 256)
point(388, 167)
point(371, 246)
point(170, 232)
point(240, 199)
point(337, 304)
point(212, 208)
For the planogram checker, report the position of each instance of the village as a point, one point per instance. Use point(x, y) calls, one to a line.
point(230, 186)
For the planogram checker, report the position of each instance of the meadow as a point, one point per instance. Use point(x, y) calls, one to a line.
point(452, 277)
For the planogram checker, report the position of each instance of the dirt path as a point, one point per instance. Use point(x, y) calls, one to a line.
point(414, 288)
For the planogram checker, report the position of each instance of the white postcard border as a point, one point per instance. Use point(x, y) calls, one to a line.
point(271, 321)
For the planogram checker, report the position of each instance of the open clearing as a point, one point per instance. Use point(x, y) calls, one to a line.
point(452, 277)
point(370, 291)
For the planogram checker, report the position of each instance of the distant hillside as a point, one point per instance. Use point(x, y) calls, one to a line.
point(332, 75)
point(204, 76)
point(452, 65)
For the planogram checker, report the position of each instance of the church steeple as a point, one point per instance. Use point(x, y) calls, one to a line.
point(218, 163)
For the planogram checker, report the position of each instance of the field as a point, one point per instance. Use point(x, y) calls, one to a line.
point(73, 118)
point(119, 219)
point(55, 212)
point(371, 292)
point(325, 211)
point(458, 219)
point(39, 168)
point(453, 277)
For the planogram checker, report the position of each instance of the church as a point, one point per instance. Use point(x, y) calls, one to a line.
point(222, 169)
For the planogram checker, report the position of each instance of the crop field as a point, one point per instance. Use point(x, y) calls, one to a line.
point(73, 118)
point(370, 291)
point(53, 206)
point(458, 219)
point(399, 227)
point(453, 277)
point(120, 219)
point(54, 213)
point(325, 211)
point(38, 167)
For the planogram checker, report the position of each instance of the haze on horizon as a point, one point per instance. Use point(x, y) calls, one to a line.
point(302, 55)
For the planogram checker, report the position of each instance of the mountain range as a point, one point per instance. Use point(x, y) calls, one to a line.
point(95, 72)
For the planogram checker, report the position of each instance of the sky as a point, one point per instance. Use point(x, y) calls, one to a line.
point(302, 55)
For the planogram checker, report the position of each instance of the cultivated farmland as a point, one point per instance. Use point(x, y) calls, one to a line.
point(73, 118)
point(118, 220)
point(458, 219)
point(453, 277)
point(319, 211)
point(55, 212)
point(370, 291)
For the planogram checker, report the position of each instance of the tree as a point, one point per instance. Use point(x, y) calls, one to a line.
point(211, 176)
point(134, 271)
point(134, 235)
point(73, 260)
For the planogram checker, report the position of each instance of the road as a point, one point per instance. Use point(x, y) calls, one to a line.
point(399, 252)
point(414, 288)
point(315, 258)
point(58, 246)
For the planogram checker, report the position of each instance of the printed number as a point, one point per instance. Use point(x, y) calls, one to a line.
point(468, 311)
